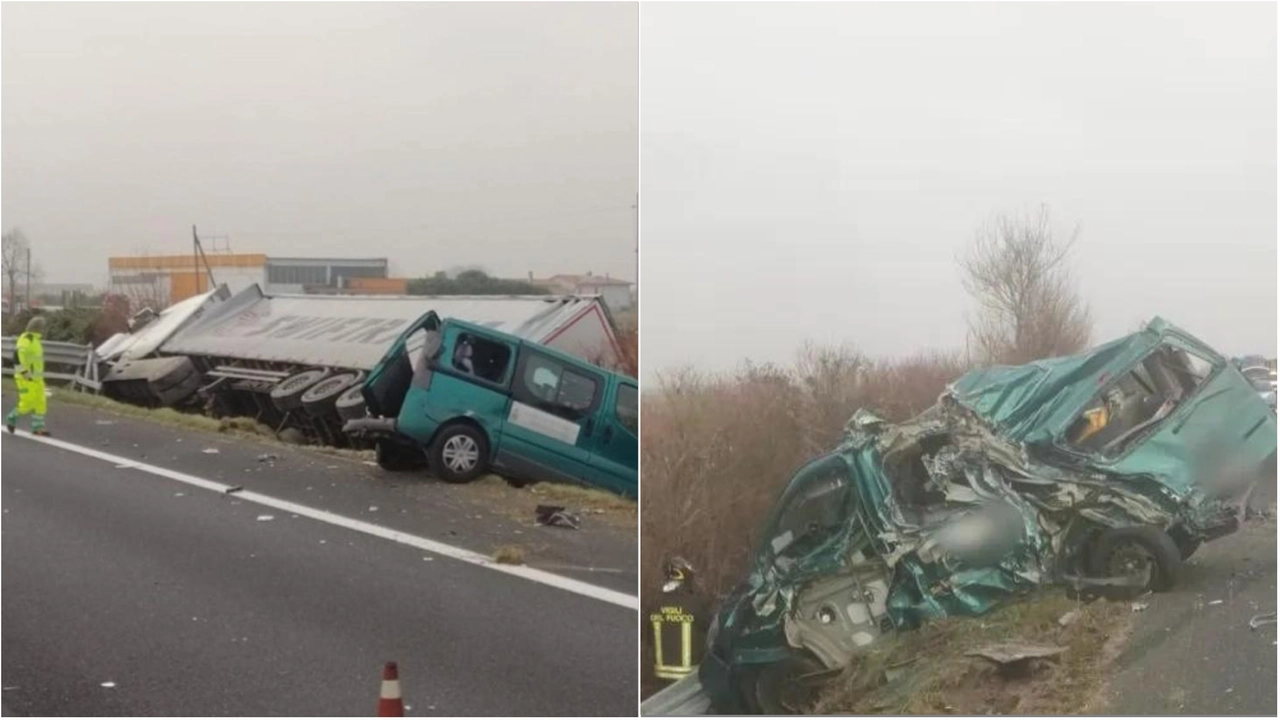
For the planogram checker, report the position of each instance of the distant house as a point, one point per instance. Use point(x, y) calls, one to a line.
point(615, 293)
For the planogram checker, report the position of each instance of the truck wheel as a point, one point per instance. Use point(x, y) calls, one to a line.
point(397, 457)
point(787, 687)
point(459, 454)
point(319, 398)
point(287, 394)
point(350, 404)
point(1145, 552)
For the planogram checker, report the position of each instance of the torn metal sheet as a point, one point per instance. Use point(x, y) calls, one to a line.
point(1102, 470)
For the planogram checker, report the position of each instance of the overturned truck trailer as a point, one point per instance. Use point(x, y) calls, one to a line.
point(298, 361)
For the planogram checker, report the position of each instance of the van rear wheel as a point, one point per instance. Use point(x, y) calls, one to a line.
point(459, 454)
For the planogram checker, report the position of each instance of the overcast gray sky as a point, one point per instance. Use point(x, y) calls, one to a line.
point(810, 171)
point(437, 135)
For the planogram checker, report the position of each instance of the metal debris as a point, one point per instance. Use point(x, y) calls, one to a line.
point(108, 684)
point(211, 451)
point(268, 457)
point(1011, 653)
point(1215, 602)
point(557, 516)
point(233, 489)
point(263, 518)
point(1261, 619)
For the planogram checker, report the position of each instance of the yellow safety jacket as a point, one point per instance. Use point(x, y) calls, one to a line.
point(30, 357)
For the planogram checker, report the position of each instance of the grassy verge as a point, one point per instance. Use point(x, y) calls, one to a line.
point(932, 674)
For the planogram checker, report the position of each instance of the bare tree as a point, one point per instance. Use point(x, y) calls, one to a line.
point(1016, 270)
point(15, 253)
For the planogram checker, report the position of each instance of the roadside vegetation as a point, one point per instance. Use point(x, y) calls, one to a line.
point(716, 449)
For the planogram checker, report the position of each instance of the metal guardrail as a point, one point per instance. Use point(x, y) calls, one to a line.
point(682, 698)
point(64, 355)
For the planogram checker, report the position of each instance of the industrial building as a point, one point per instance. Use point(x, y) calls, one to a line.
point(161, 280)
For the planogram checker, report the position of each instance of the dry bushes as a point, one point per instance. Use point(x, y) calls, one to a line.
point(716, 450)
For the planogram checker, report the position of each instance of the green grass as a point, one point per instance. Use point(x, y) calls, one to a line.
point(937, 677)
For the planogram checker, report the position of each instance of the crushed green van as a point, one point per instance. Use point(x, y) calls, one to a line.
point(465, 399)
point(1099, 472)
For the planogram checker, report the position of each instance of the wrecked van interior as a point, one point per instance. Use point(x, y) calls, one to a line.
point(463, 399)
point(1099, 473)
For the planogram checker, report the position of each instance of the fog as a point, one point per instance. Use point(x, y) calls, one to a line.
point(437, 135)
point(810, 172)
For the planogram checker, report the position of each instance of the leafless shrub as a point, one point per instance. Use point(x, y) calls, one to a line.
point(1016, 270)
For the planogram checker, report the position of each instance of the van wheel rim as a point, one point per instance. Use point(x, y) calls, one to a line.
point(461, 453)
point(1133, 561)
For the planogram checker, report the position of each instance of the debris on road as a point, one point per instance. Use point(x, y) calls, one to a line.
point(108, 684)
point(1069, 618)
point(104, 422)
point(264, 518)
point(509, 555)
point(233, 489)
point(211, 451)
point(1215, 602)
point(1259, 620)
point(557, 516)
point(1140, 606)
point(268, 457)
point(373, 508)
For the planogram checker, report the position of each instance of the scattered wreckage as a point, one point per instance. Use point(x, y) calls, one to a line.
point(362, 371)
point(1099, 472)
point(297, 361)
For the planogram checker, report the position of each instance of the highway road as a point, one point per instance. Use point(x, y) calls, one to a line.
point(138, 589)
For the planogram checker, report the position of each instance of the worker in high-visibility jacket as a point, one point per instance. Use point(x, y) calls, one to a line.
point(678, 622)
point(28, 375)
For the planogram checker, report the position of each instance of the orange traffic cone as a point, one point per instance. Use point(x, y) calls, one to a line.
point(389, 702)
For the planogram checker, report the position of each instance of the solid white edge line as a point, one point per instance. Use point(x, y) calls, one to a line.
point(543, 577)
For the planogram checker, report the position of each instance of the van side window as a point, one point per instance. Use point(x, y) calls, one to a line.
point(627, 408)
point(556, 387)
point(481, 357)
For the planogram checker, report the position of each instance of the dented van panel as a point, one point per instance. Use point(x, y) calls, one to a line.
point(1005, 485)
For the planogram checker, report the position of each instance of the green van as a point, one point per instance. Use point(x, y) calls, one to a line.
point(468, 399)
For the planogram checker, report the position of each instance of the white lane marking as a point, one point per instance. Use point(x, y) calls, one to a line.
point(543, 577)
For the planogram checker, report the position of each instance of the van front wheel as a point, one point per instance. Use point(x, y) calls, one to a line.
point(459, 454)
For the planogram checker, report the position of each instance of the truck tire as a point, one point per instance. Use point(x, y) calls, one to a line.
point(1139, 549)
point(179, 392)
point(287, 394)
point(459, 454)
point(350, 404)
point(319, 398)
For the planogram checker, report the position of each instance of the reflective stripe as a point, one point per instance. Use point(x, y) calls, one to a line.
point(390, 689)
point(657, 646)
point(686, 644)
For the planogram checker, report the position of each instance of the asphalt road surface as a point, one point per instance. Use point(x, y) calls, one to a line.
point(126, 593)
point(1192, 651)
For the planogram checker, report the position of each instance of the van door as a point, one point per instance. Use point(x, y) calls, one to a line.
point(550, 428)
point(617, 445)
point(466, 375)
